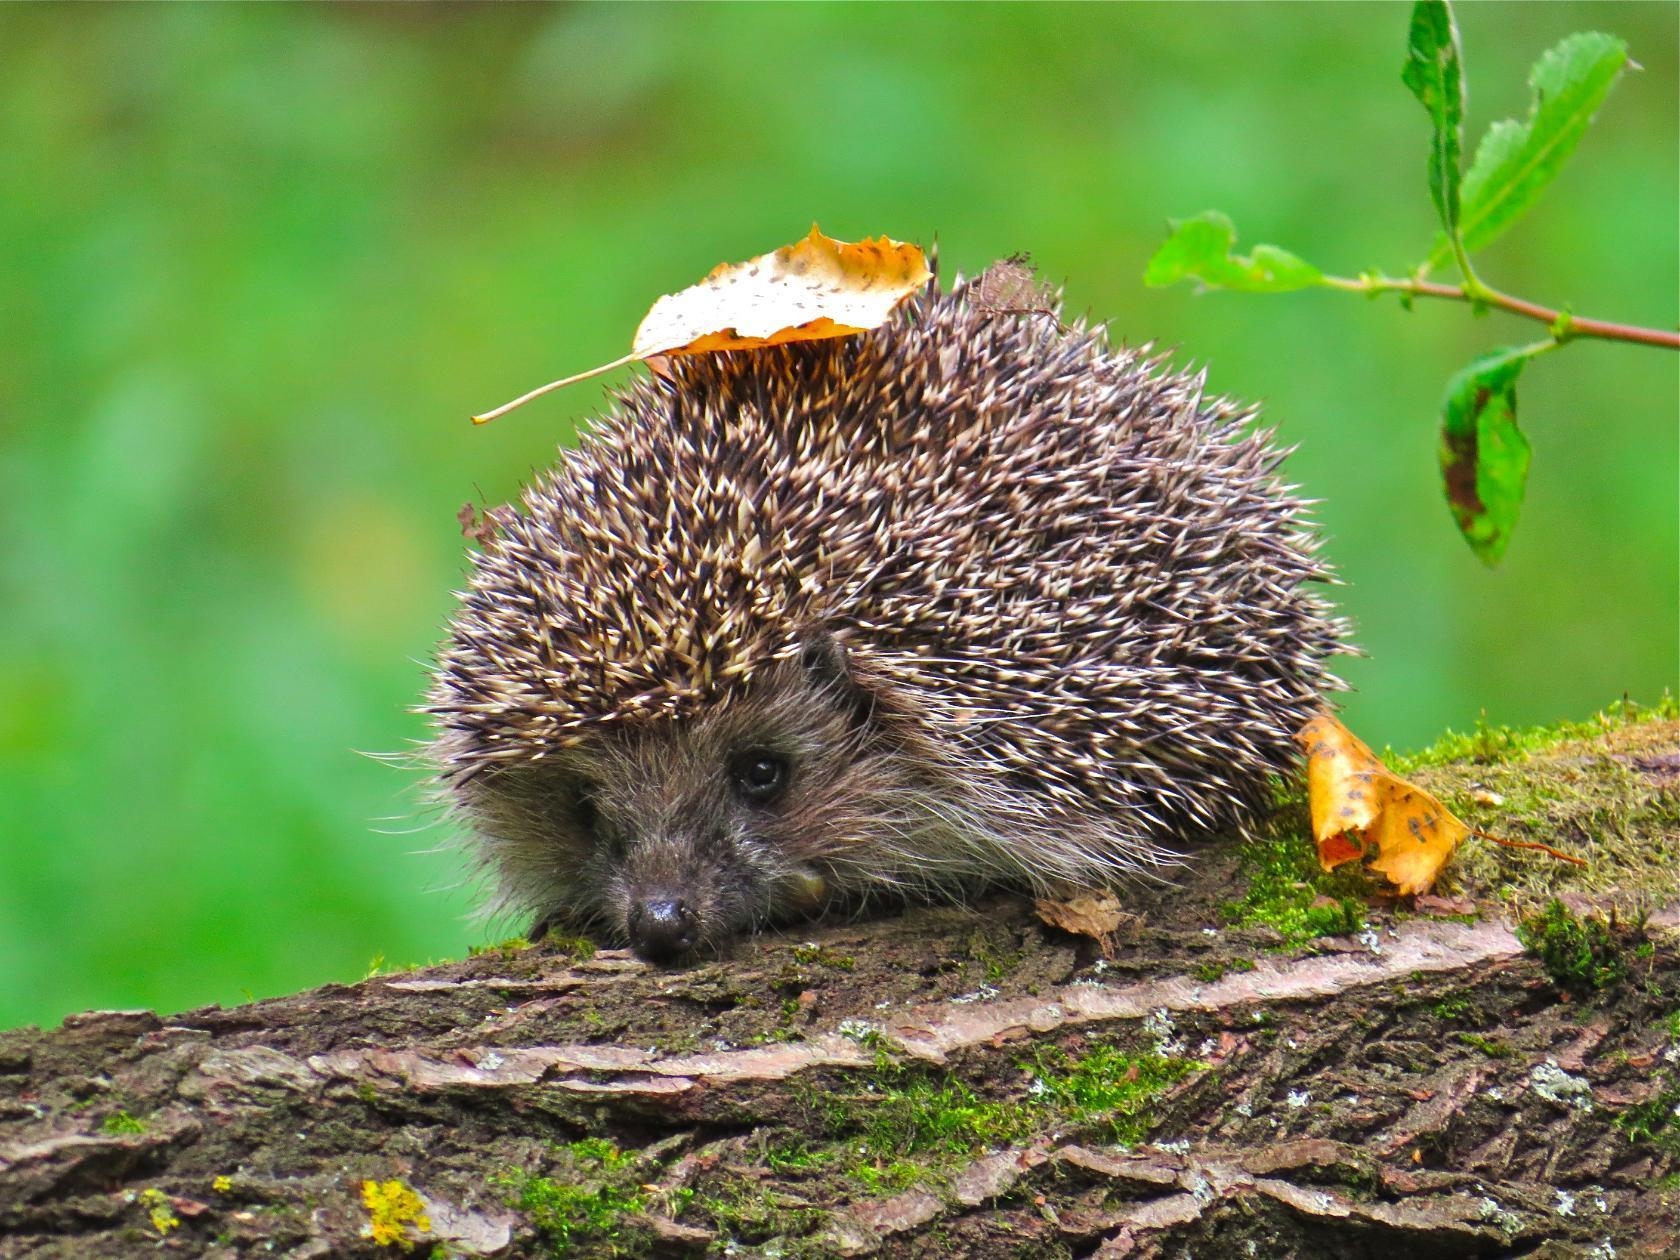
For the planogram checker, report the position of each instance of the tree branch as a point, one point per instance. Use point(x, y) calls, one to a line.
point(1564, 326)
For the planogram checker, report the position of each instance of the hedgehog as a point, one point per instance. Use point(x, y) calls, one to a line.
point(974, 599)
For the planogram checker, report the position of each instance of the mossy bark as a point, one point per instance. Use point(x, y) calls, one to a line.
point(946, 1081)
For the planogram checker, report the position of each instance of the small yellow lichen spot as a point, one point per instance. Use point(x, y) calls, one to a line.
point(157, 1206)
point(392, 1208)
point(222, 1184)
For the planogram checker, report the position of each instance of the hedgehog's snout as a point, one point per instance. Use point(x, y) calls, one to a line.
point(662, 928)
point(677, 890)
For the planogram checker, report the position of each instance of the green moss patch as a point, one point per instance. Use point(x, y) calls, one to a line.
point(1579, 952)
point(1288, 891)
point(1608, 797)
point(911, 1122)
point(121, 1124)
point(1486, 744)
point(589, 1199)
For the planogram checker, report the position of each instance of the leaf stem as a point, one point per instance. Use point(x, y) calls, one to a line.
point(1564, 326)
point(539, 391)
point(1474, 290)
point(1528, 844)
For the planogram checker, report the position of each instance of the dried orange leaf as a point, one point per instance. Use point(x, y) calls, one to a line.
point(815, 288)
point(1084, 912)
point(1339, 774)
point(1417, 835)
point(1359, 808)
point(818, 287)
point(1339, 848)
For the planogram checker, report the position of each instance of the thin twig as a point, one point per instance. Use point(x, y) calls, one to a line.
point(1565, 327)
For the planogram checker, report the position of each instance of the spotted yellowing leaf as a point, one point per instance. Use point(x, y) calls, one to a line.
point(815, 288)
point(1361, 809)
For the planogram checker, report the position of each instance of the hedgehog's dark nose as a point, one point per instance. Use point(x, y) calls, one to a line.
point(662, 928)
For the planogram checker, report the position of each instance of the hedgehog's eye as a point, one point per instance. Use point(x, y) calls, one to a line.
point(759, 775)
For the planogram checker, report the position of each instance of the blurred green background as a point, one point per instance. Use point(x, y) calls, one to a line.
point(258, 264)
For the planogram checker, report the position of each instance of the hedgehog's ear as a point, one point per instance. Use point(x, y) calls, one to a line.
point(823, 657)
point(829, 665)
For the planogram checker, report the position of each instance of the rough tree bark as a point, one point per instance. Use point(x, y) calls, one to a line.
point(946, 1081)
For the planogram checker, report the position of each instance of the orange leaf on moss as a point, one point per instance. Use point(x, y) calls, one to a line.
point(1361, 809)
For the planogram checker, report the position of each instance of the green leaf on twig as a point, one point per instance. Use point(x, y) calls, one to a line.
point(1517, 160)
point(1434, 73)
point(1484, 456)
point(1201, 249)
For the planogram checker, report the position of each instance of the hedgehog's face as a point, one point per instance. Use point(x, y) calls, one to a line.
point(676, 837)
